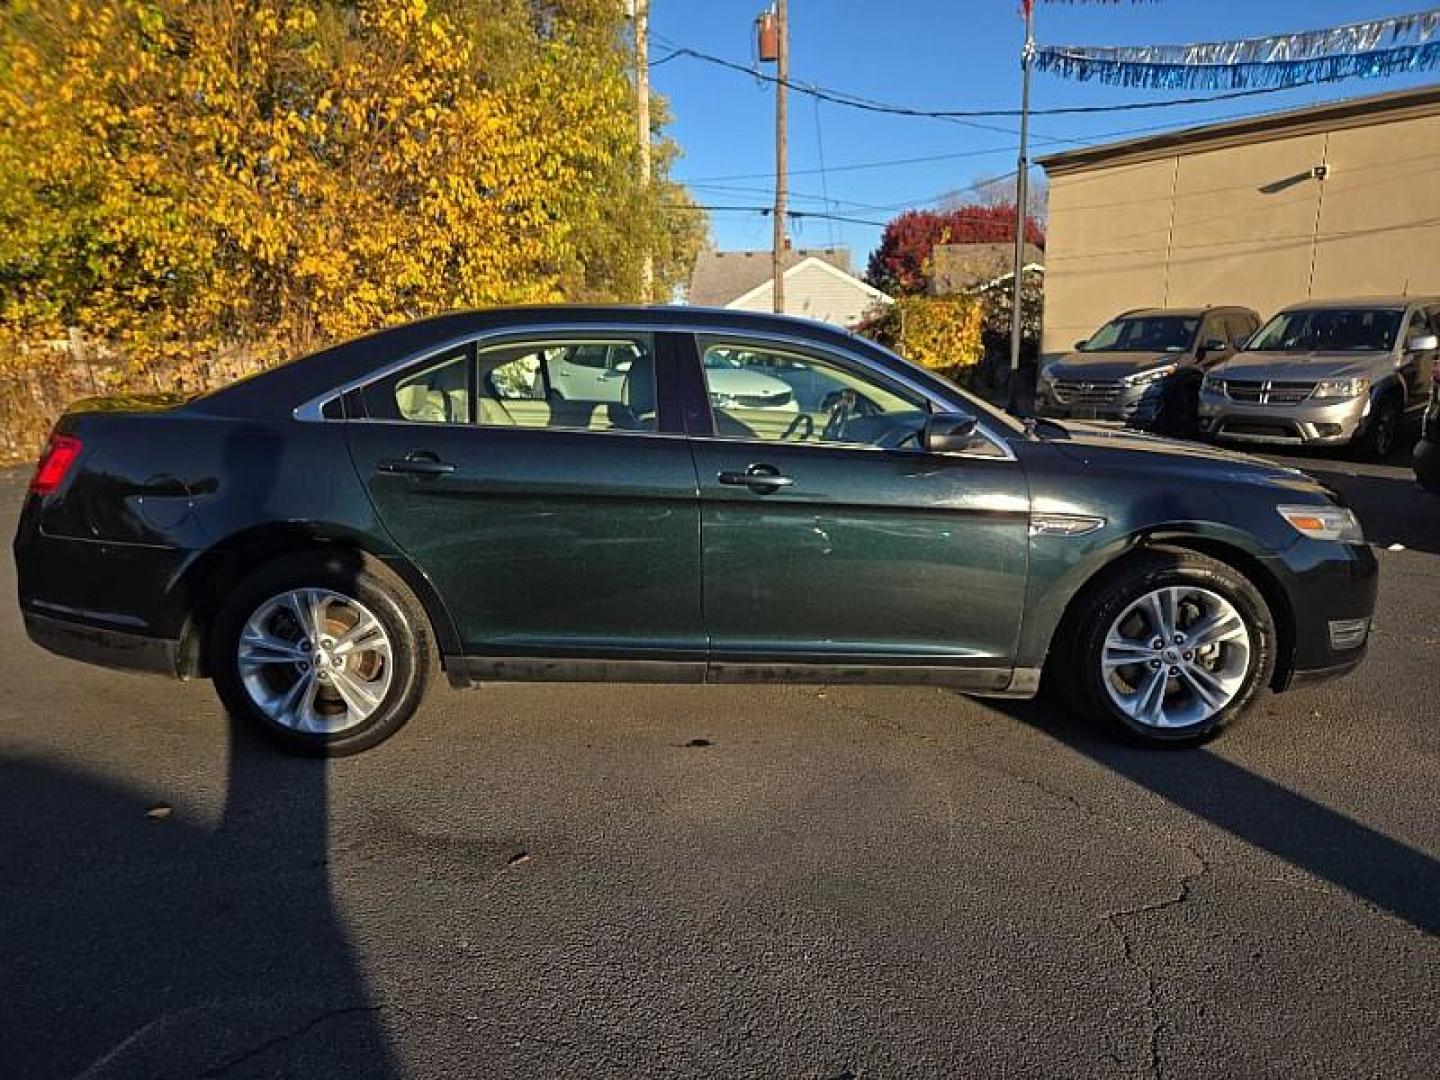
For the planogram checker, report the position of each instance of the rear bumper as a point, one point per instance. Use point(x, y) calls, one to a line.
point(107, 647)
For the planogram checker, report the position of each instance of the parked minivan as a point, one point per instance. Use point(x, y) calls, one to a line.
point(1327, 373)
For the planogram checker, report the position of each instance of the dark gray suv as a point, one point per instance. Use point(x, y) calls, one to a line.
point(1144, 367)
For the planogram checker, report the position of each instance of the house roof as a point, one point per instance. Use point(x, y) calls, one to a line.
point(958, 267)
point(1329, 116)
point(722, 277)
point(825, 267)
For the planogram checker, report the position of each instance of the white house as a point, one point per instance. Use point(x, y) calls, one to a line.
point(818, 284)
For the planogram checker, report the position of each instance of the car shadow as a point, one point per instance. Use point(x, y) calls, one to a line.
point(1386, 873)
point(139, 942)
point(1393, 510)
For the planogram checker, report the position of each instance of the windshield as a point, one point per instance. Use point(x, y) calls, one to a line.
point(1155, 333)
point(1329, 330)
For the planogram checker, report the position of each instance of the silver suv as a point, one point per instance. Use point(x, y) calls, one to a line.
point(1327, 373)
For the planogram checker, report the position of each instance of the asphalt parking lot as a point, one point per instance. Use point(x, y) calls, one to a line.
point(731, 881)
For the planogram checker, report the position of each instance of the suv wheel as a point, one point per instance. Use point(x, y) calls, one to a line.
point(1171, 648)
point(326, 654)
point(1377, 441)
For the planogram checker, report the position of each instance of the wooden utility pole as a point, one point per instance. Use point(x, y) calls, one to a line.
point(782, 71)
point(642, 131)
point(1022, 196)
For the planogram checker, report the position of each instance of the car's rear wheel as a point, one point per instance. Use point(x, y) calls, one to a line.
point(326, 654)
point(1171, 648)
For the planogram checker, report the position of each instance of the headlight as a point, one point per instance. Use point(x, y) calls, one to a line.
point(1050, 372)
point(1142, 377)
point(1340, 388)
point(723, 401)
point(1324, 522)
point(1213, 384)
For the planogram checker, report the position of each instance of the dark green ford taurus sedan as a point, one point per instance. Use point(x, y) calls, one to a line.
point(668, 495)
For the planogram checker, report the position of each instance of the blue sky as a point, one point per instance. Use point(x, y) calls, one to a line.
point(935, 54)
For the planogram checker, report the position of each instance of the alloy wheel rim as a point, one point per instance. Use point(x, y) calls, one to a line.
point(315, 661)
point(1175, 657)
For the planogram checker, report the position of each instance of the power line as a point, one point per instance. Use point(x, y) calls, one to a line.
point(861, 165)
point(855, 101)
point(817, 214)
point(835, 96)
point(797, 214)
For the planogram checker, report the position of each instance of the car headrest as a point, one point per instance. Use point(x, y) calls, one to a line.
point(638, 391)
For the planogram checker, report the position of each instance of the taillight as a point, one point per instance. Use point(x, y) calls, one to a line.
point(60, 453)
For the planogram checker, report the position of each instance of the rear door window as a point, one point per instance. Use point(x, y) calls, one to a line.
point(576, 385)
point(439, 393)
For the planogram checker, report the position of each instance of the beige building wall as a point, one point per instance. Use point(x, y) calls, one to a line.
point(1245, 224)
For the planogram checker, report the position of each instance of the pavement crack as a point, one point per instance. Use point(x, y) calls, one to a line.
point(289, 1036)
point(1117, 919)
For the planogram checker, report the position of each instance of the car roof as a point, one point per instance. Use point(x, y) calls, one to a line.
point(1183, 312)
point(282, 388)
point(1363, 302)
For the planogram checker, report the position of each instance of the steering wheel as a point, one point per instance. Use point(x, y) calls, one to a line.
point(840, 412)
point(801, 420)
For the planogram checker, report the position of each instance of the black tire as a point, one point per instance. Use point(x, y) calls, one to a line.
point(1378, 439)
point(1426, 463)
point(1179, 416)
point(1098, 608)
point(351, 574)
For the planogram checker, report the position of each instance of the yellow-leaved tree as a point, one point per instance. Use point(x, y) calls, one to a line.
point(184, 181)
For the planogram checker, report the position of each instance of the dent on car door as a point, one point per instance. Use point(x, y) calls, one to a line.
point(550, 526)
point(829, 537)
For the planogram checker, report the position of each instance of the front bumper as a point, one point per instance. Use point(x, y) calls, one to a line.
point(1137, 406)
point(1331, 590)
point(108, 647)
point(1427, 463)
point(1307, 424)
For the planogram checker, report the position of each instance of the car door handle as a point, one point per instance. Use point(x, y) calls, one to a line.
point(758, 478)
point(418, 463)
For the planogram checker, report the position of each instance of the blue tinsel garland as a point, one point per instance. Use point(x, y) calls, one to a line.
point(1363, 50)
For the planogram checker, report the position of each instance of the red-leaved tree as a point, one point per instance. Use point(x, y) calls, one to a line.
point(902, 263)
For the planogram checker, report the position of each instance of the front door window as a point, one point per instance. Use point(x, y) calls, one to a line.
point(764, 394)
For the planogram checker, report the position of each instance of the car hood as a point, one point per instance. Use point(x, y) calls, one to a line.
point(1109, 366)
point(1303, 367)
point(748, 383)
point(1095, 442)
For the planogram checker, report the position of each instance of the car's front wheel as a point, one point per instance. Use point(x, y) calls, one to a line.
point(1378, 439)
point(326, 654)
point(1171, 648)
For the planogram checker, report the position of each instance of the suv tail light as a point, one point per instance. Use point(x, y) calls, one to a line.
point(59, 454)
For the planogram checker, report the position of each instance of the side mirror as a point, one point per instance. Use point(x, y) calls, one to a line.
point(1212, 345)
point(1423, 343)
point(948, 433)
point(1080, 345)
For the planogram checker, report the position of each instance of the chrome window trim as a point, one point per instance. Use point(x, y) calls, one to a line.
point(312, 411)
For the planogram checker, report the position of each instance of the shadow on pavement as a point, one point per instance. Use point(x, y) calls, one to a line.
point(1393, 510)
point(1386, 873)
point(163, 948)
